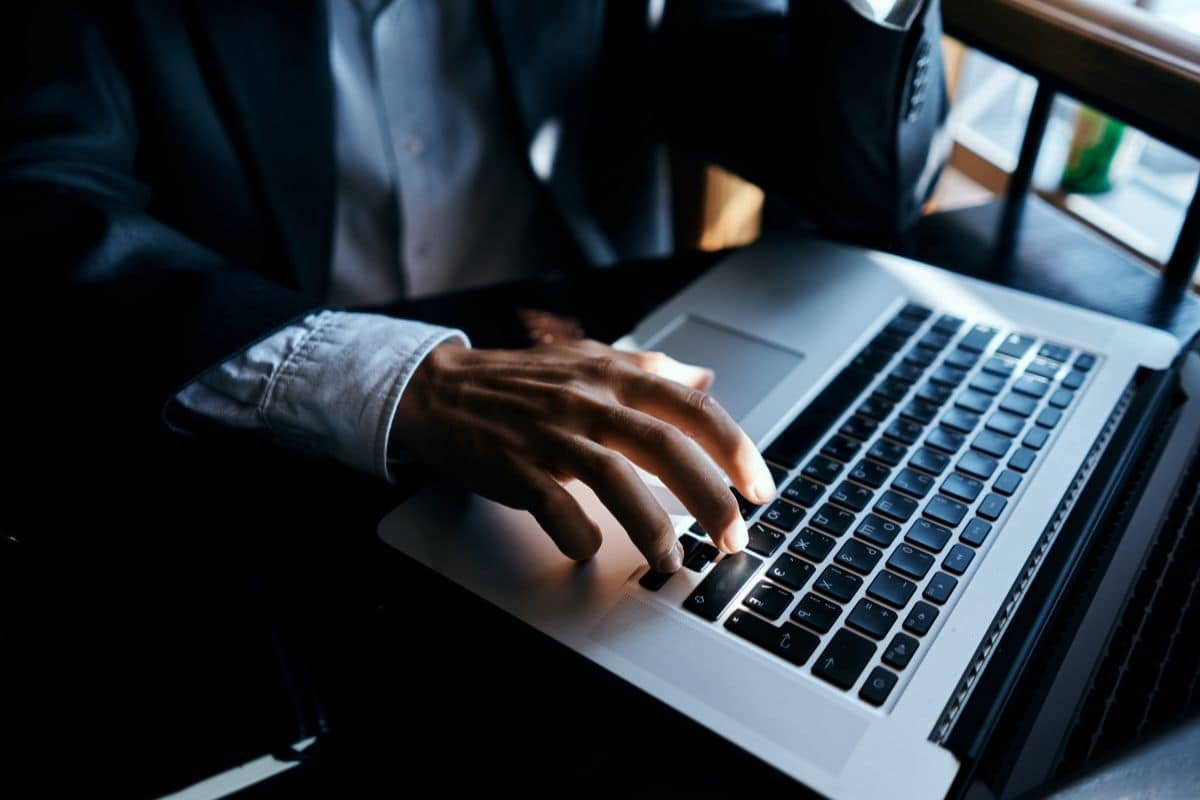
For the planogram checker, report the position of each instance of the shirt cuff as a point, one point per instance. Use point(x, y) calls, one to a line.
point(328, 386)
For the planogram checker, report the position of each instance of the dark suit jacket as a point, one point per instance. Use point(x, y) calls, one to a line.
point(167, 170)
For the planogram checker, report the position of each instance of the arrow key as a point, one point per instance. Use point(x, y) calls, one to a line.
point(900, 651)
point(787, 641)
point(844, 659)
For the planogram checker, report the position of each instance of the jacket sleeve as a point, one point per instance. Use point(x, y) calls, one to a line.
point(832, 112)
point(112, 311)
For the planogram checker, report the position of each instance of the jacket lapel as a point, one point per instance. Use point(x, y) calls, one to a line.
point(540, 48)
point(272, 64)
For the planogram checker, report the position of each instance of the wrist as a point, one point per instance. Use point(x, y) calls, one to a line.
point(410, 424)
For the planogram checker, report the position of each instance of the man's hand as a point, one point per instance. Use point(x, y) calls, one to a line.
point(514, 425)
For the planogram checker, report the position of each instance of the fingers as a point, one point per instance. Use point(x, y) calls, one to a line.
point(662, 449)
point(700, 416)
point(618, 486)
point(664, 366)
point(559, 514)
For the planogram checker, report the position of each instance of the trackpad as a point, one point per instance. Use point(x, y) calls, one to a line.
point(747, 368)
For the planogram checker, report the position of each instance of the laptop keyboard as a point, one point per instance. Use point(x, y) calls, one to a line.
point(891, 482)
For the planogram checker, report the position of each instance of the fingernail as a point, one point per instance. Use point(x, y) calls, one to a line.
point(764, 487)
point(672, 560)
point(735, 538)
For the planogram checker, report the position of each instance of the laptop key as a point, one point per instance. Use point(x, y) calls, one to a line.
point(910, 561)
point(654, 580)
point(901, 650)
point(928, 534)
point(838, 584)
point(946, 511)
point(891, 589)
point(803, 491)
point(920, 411)
point(763, 540)
point(872, 358)
point(745, 507)
point(908, 373)
point(1085, 362)
point(1049, 417)
point(783, 515)
point(946, 440)
point(844, 659)
point(1043, 368)
point(1036, 438)
point(947, 376)
point(767, 599)
point(977, 465)
point(861, 428)
point(940, 587)
point(976, 532)
point(915, 311)
point(960, 487)
point(851, 496)
point(978, 339)
point(700, 556)
point(992, 507)
point(975, 402)
point(871, 618)
point(929, 461)
point(877, 530)
point(958, 420)
point(841, 447)
point(778, 473)
point(791, 446)
point(877, 686)
point(790, 571)
point(912, 482)
point(723, 581)
point(823, 469)
point(934, 393)
point(892, 389)
point(1015, 345)
point(1004, 423)
point(876, 407)
point(1022, 460)
point(947, 323)
point(1061, 398)
point(1000, 367)
point(831, 519)
point(812, 545)
point(1055, 352)
point(962, 359)
point(1007, 482)
point(786, 641)
point(904, 431)
point(859, 557)
point(988, 384)
point(921, 618)
point(933, 340)
point(887, 452)
point(920, 357)
point(870, 474)
point(896, 506)
point(1019, 404)
point(992, 444)
point(816, 612)
point(1031, 386)
point(1074, 379)
point(958, 559)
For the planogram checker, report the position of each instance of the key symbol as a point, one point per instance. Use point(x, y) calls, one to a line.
point(878, 683)
point(699, 599)
point(828, 663)
point(785, 642)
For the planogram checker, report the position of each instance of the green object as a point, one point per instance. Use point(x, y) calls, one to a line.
point(1094, 147)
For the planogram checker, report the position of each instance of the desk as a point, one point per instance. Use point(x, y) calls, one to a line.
point(155, 638)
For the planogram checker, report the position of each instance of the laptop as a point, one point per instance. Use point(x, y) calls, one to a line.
point(947, 451)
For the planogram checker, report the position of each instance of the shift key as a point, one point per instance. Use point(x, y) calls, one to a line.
point(721, 584)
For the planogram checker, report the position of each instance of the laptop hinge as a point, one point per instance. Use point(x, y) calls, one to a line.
point(1019, 644)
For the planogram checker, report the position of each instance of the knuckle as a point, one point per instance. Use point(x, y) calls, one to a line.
point(653, 360)
point(605, 368)
point(609, 468)
point(702, 402)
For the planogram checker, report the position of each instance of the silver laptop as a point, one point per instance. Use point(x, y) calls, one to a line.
point(928, 434)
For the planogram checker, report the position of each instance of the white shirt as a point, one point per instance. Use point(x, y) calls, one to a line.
point(433, 194)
